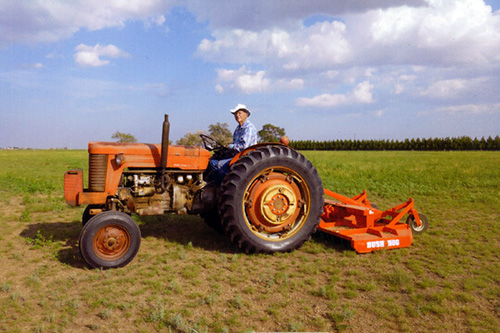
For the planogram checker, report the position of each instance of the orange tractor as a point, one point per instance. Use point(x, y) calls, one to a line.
point(272, 200)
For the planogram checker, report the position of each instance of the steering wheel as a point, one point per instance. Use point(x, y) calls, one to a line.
point(211, 144)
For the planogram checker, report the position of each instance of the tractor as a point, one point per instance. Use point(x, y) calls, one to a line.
point(271, 200)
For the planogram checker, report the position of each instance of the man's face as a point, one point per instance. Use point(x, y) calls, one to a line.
point(240, 116)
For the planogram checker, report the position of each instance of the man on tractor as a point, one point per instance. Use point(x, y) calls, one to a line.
point(245, 135)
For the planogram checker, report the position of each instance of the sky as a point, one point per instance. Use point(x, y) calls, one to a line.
point(77, 71)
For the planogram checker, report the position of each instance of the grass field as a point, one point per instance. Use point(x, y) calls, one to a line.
point(188, 278)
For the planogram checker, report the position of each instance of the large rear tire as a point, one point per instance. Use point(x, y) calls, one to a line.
point(272, 200)
point(109, 240)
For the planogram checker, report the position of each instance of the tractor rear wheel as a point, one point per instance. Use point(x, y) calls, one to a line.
point(272, 200)
point(109, 240)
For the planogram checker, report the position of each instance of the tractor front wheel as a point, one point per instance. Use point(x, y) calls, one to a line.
point(272, 200)
point(109, 240)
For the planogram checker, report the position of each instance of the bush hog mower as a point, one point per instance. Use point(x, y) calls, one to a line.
point(272, 200)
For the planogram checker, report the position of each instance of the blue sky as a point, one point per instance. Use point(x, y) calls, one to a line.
point(78, 71)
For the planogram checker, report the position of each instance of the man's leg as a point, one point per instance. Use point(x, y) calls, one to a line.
point(219, 169)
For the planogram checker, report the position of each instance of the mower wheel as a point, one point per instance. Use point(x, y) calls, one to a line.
point(86, 214)
point(109, 240)
point(413, 224)
point(272, 200)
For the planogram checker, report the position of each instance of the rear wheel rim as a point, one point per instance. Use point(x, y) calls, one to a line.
point(111, 242)
point(276, 204)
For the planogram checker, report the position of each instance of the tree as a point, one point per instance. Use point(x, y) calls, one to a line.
point(123, 137)
point(221, 133)
point(271, 133)
point(191, 139)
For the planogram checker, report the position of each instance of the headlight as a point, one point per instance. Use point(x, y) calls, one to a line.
point(120, 159)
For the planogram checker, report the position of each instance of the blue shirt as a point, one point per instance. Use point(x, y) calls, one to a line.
point(244, 136)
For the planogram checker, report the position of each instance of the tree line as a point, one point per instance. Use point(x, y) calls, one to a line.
point(430, 144)
point(270, 133)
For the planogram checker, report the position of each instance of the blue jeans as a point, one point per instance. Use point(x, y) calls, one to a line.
point(219, 169)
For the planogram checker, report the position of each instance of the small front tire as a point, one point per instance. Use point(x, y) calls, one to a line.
point(413, 224)
point(109, 240)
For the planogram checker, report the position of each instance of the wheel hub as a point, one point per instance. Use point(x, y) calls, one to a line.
point(111, 242)
point(273, 202)
point(278, 203)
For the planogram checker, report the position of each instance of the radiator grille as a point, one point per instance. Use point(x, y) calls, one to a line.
point(98, 167)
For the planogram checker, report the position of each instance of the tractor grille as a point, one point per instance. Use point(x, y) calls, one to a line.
point(98, 167)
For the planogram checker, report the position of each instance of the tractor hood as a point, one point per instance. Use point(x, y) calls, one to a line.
point(179, 157)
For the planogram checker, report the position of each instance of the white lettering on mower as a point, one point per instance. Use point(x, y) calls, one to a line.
point(393, 242)
point(375, 244)
point(380, 244)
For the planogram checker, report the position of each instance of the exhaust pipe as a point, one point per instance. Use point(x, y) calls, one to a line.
point(164, 153)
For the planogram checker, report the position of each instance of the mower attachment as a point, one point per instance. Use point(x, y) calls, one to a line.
point(367, 227)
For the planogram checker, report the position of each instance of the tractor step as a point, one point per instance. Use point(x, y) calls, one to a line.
point(364, 225)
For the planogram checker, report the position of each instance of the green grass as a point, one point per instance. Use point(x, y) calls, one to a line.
point(187, 277)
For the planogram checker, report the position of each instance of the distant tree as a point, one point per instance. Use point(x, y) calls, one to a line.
point(271, 133)
point(191, 139)
point(221, 133)
point(123, 137)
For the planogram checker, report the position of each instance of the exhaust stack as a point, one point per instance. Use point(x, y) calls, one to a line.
point(164, 153)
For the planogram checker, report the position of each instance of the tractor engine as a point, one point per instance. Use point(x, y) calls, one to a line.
point(185, 192)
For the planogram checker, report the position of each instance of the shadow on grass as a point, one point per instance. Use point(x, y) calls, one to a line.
point(331, 242)
point(177, 229)
point(185, 229)
point(66, 233)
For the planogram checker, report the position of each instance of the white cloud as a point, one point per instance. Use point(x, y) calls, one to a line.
point(471, 109)
point(51, 21)
point(90, 56)
point(362, 94)
point(264, 14)
point(243, 80)
point(445, 88)
point(248, 82)
point(454, 88)
point(37, 65)
point(443, 34)
point(319, 46)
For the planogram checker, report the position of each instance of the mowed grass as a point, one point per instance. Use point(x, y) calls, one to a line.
point(188, 278)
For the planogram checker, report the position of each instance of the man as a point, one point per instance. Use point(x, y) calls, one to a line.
point(244, 136)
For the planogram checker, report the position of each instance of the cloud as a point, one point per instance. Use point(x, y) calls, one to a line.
point(444, 51)
point(37, 65)
point(362, 94)
point(456, 88)
point(474, 109)
point(90, 56)
point(443, 33)
point(264, 14)
point(320, 45)
point(50, 21)
point(248, 82)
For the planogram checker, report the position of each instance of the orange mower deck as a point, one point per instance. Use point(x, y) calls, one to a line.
point(365, 226)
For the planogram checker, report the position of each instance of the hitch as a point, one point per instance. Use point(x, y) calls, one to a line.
point(366, 226)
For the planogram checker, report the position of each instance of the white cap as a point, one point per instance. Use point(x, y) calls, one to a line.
point(240, 107)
